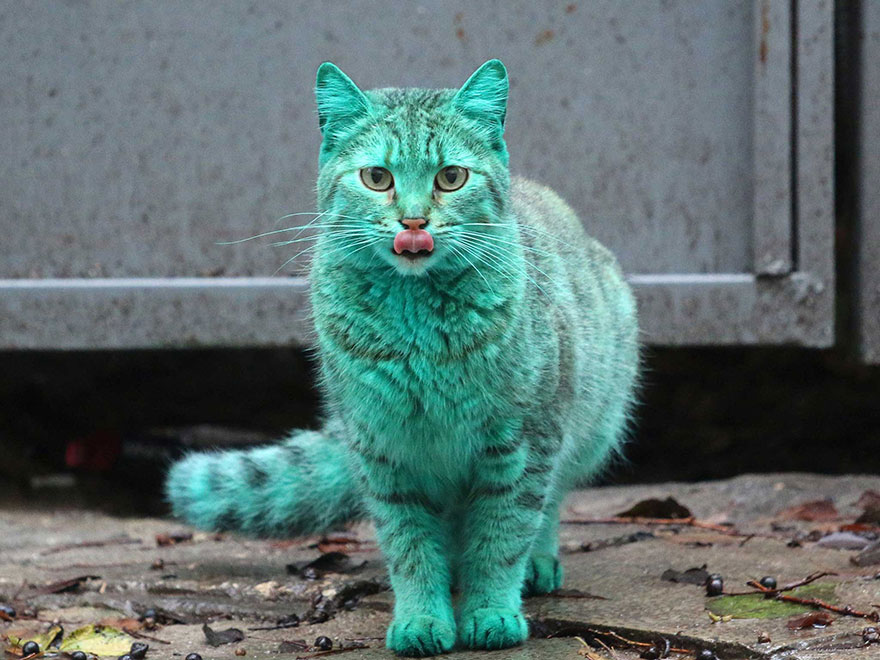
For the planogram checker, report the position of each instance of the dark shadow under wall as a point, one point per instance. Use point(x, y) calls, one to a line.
point(705, 413)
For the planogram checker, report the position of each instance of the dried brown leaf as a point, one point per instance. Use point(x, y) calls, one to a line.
point(810, 620)
point(812, 511)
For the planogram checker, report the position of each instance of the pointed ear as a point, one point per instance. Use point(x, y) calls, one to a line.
point(339, 99)
point(484, 95)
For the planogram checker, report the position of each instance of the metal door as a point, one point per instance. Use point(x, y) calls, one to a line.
point(694, 137)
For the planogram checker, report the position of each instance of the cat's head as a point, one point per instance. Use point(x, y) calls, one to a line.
point(416, 178)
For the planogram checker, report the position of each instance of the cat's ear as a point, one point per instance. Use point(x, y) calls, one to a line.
point(339, 99)
point(484, 95)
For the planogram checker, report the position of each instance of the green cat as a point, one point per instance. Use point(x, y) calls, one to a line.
point(478, 357)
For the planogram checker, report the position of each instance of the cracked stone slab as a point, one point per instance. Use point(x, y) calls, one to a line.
point(237, 582)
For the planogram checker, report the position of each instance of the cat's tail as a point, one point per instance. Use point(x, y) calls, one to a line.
point(300, 486)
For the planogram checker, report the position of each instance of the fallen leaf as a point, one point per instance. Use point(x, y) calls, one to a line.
point(98, 640)
point(329, 562)
point(62, 586)
point(352, 592)
point(20, 636)
point(697, 575)
point(870, 515)
point(601, 544)
point(173, 539)
point(756, 606)
point(338, 544)
point(219, 637)
point(869, 499)
point(656, 508)
point(293, 646)
point(128, 625)
point(843, 541)
point(812, 511)
point(869, 556)
point(858, 527)
point(811, 620)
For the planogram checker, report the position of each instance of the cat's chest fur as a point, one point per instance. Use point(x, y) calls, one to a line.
point(418, 360)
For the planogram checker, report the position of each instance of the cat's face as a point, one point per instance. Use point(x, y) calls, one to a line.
point(415, 179)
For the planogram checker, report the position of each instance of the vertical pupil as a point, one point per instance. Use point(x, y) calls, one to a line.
point(376, 174)
point(451, 175)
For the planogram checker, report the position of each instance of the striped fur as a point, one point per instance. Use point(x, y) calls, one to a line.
point(468, 391)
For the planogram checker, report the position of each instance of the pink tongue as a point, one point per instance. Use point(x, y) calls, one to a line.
point(413, 240)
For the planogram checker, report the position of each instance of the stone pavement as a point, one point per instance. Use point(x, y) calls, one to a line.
point(242, 583)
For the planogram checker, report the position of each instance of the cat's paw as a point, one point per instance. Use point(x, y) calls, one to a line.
point(543, 575)
point(420, 635)
point(492, 628)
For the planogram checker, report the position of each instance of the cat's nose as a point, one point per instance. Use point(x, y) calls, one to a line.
point(413, 223)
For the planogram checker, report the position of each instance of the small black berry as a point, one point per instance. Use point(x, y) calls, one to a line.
point(149, 614)
point(714, 587)
point(706, 654)
point(768, 582)
point(650, 653)
point(78, 655)
point(193, 656)
point(30, 648)
point(324, 643)
point(8, 611)
point(139, 650)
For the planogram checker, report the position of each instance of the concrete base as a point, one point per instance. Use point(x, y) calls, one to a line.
point(242, 583)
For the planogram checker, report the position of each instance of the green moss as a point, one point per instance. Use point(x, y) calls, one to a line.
point(758, 607)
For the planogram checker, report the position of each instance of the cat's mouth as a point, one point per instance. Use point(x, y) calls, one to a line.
point(413, 244)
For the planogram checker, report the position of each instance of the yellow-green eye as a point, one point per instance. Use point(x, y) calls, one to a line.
point(451, 178)
point(377, 178)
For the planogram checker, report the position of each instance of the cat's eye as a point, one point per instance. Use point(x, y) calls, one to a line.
point(377, 178)
point(451, 178)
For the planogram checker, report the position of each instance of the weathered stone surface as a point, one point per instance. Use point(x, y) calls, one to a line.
point(235, 582)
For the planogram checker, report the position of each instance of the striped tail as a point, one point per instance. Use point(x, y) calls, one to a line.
point(301, 486)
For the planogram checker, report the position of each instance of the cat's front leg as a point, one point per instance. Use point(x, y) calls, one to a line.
point(414, 537)
point(503, 516)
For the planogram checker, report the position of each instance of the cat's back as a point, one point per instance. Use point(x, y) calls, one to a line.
point(555, 240)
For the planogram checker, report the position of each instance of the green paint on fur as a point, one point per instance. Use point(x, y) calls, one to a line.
point(468, 388)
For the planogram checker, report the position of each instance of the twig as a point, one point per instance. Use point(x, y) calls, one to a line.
point(775, 594)
point(631, 642)
point(812, 577)
point(90, 544)
point(279, 626)
point(746, 540)
point(321, 654)
point(608, 648)
point(846, 610)
point(760, 588)
point(687, 522)
point(135, 633)
point(67, 567)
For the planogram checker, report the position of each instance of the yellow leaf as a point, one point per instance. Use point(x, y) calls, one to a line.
point(20, 637)
point(98, 640)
